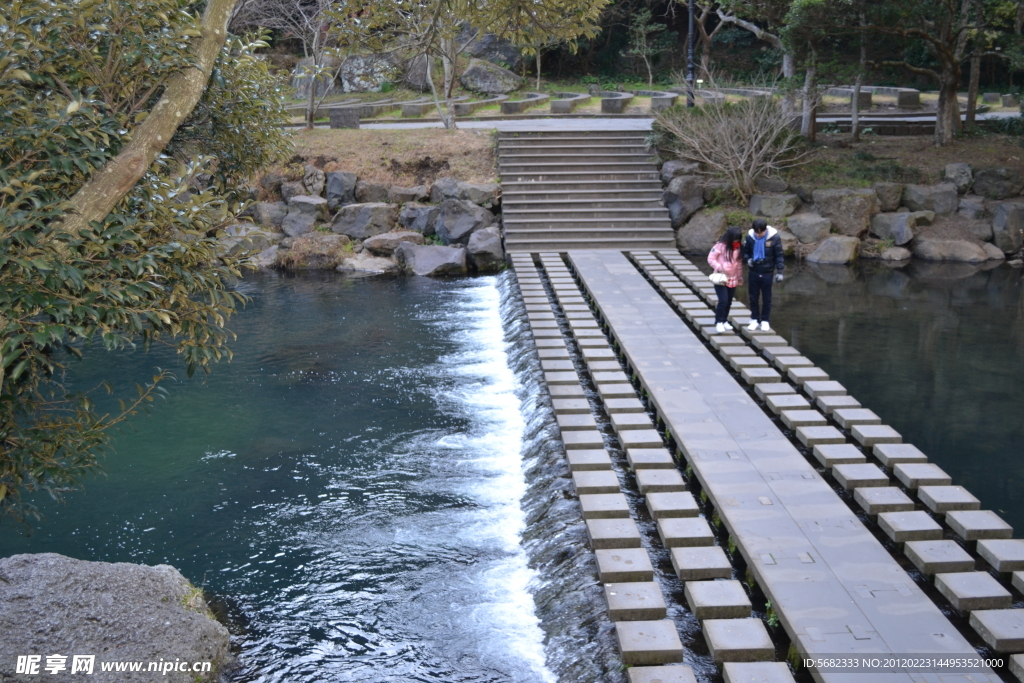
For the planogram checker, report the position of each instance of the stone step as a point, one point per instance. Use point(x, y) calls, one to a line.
point(514, 235)
point(586, 224)
point(582, 210)
point(532, 192)
point(570, 203)
point(624, 147)
point(571, 135)
point(553, 176)
point(536, 245)
point(573, 159)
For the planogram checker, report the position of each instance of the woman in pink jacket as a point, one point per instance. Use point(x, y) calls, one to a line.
point(725, 258)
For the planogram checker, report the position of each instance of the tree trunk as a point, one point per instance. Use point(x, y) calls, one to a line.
point(538, 68)
point(788, 72)
point(947, 118)
point(311, 101)
point(107, 186)
point(855, 101)
point(807, 127)
point(972, 90)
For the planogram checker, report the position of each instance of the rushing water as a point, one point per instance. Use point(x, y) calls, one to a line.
point(349, 486)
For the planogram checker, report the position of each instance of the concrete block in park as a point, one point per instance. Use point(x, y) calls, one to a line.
point(660, 674)
point(659, 481)
point(969, 591)
point(803, 418)
point(938, 557)
point(1017, 581)
point(648, 642)
point(589, 439)
point(624, 565)
point(800, 376)
point(626, 421)
point(787, 363)
point(679, 532)
point(738, 640)
point(876, 500)
point(869, 435)
point(634, 601)
point(561, 377)
point(762, 341)
point(624, 405)
point(582, 460)
point(941, 499)
point(717, 599)
point(737, 363)
point(697, 563)
point(975, 525)
point(1001, 629)
point(773, 352)
point(650, 459)
point(764, 390)
point(781, 402)
point(575, 422)
point(595, 481)
point(830, 455)
point(863, 475)
point(913, 475)
point(1003, 555)
point(641, 438)
point(816, 389)
point(848, 417)
point(760, 375)
point(604, 506)
point(610, 534)
point(672, 504)
point(816, 436)
point(570, 406)
point(828, 404)
point(891, 454)
point(756, 672)
point(909, 526)
point(616, 390)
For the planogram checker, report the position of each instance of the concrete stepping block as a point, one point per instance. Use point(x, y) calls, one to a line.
point(762, 339)
point(828, 404)
point(876, 500)
point(624, 405)
point(588, 342)
point(701, 563)
point(816, 436)
point(909, 526)
point(968, 591)
point(721, 341)
point(550, 343)
point(648, 642)
point(583, 324)
point(703, 320)
point(818, 388)
point(737, 363)
point(578, 315)
point(938, 557)
point(1001, 629)
point(585, 440)
point(659, 481)
point(624, 421)
point(738, 352)
point(913, 474)
point(773, 352)
point(571, 406)
point(848, 417)
point(553, 354)
point(760, 375)
point(975, 525)
point(801, 376)
point(604, 506)
point(641, 438)
point(756, 672)
point(595, 481)
point(1017, 581)
point(584, 460)
point(650, 459)
point(566, 391)
point(720, 599)
point(576, 422)
point(947, 498)
point(660, 674)
point(738, 640)
point(609, 391)
point(610, 377)
point(681, 532)
point(624, 565)
point(594, 333)
point(635, 601)
point(781, 402)
point(787, 363)
point(891, 454)
point(1004, 555)
point(666, 504)
point(609, 534)
point(536, 324)
point(869, 435)
point(547, 314)
point(803, 418)
point(601, 365)
point(862, 475)
point(832, 454)
point(764, 390)
point(564, 377)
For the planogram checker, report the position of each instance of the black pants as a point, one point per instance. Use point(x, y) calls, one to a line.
point(760, 295)
point(725, 296)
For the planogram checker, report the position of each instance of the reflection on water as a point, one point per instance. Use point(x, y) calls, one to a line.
point(936, 350)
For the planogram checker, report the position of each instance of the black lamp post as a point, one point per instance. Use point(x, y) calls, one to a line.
point(690, 69)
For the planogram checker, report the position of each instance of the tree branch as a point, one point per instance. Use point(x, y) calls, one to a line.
point(758, 32)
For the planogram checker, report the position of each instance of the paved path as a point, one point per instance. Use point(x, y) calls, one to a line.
point(835, 588)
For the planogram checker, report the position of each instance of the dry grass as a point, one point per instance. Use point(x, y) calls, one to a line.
point(400, 157)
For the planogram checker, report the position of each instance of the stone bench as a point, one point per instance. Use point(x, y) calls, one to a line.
point(567, 102)
point(614, 102)
point(660, 99)
point(467, 108)
point(421, 107)
point(519, 106)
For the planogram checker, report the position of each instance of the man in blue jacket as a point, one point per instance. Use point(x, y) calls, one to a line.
point(762, 250)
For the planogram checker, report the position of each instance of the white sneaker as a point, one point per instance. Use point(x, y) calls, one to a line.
point(765, 327)
point(720, 327)
point(728, 327)
point(753, 325)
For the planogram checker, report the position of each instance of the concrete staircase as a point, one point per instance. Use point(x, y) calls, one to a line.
point(581, 190)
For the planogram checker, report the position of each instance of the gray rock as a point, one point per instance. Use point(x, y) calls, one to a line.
point(789, 242)
point(889, 195)
point(246, 238)
point(935, 249)
point(292, 188)
point(701, 232)
point(341, 189)
point(771, 185)
point(117, 612)
point(485, 77)
point(313, 180)
point(993, 252)
point(683, 198)
point(271, 182)
point(898, 227)
point(430, 259)
point(368, 72)
point(385, 243)
point(360, 221)
point(481, 194)
point(419, 217)
point(677, 167)
point(267, 258)
point(1007, 226)
point(315, 251)
point(303, 212)
point(837, 249)
point(979, 227)
point(941, 198)
point(402, 195)
point(302, 80)
point(923, 217)
point(972, 206)
point(960, 175)
point(849, 210)
point(485, 251)
point(371, 193)
point(445, 188)
point(365, 263)
point(270, 214)
point(459, 219)
point(997, 183)
point(774, 206)
point(809, 227)
point(806, 194)
point(416, 74)
point(896, 254)
point(718, 191)
point(490, 47)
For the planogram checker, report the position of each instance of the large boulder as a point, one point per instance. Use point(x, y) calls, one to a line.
point(403, 195)
point(972, 206)
point(960, 175)
point(1007, 226)
point(243, 239)
point(371, 193)
point(485, 77)
point(896, 254)
point(789, 242)
point(701, 232)
point(313, 179)
point(993, 252)
point(774, 206)
point(416, 74)
point(303, 212)
point(490, 47)
point(367, 73)
point(889, 195)
point(360, 221)
point(341, 189)
point(941, 198)
point(898, 227)
point(683, 198)
point(112, 611)
point(270, 214)
point(315, 251)
point(678, 167)
point(485, 252)
point(419, 217)
point(770, 185)
point(719, 192)
point(849, 210)
point(482, 194)
point(939, 249)
point(459, 219)
point(266, 258)
point(809, 227)
point(271, 182)
point(430, 259)
point(997, 183)
point(366, 263)
point(292, 188)
point(445, 188)
point(837, 249)
point(385, 243)
point(302, 77)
